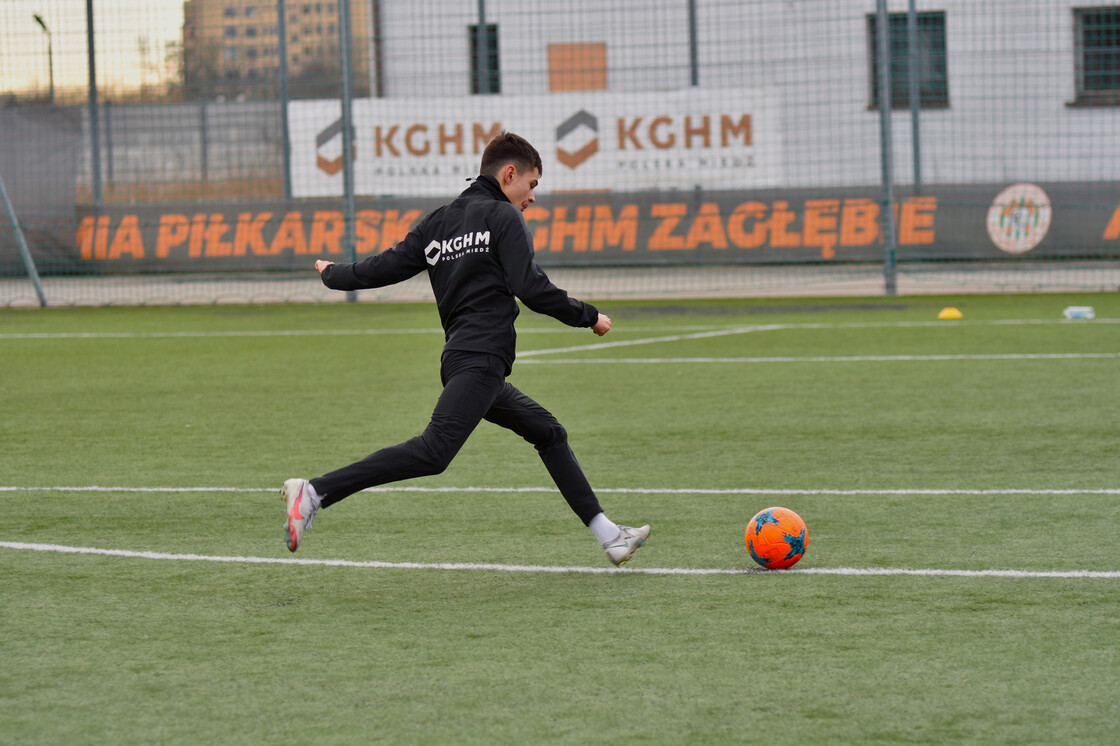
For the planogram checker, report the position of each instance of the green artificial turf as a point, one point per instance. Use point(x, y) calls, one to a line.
point(950, 448)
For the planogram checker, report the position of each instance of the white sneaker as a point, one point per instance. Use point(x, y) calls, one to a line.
point(625, 544)
point(301, 510)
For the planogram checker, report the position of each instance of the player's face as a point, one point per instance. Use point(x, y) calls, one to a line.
point(518, 186)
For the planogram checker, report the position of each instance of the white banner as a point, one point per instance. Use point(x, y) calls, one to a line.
point(588, 141)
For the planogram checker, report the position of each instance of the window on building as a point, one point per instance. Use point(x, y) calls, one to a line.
point(229, 12)
point(250, 11)
point(229, 53)
point(1097, 55)
point(250, 31)
point(494, 77)
point(932, 65)
point(230, 32)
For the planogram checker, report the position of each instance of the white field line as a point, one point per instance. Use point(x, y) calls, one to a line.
point(822, 359)
point(521, 356)
point(652, 340)
point(299, 333)
point(619, 328)
point(314, 332)
point(706, 331)
point(554, 569)
point(776, 492)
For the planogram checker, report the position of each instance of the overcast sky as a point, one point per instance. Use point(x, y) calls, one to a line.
point(131, 38)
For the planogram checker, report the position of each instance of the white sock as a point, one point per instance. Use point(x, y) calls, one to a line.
point(604, 528)
point(315, 499)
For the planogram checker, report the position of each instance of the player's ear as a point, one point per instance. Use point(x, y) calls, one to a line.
point(508, 173)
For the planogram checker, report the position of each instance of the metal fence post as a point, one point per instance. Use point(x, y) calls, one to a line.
point(915, 91)
point(886, 147)
point(348, 236)
point(24, 252)
point(482, 51)
point(285, 134)
point(94, 124)
point(109, 137)
point(693, 46)
point(203, 138)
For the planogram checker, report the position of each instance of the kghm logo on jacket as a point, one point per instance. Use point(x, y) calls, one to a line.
point(477, 242)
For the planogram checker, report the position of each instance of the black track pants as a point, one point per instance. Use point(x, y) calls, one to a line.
point(474, 388)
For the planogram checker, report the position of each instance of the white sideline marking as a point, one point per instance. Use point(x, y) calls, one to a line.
point(821, 359)
point(653, 340)
point(735, 329)
point(372, 564)
point(311, 332)
point(604, 490)
point(750, 328)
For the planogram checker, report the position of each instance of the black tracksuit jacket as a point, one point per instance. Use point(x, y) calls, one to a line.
point(478, 252)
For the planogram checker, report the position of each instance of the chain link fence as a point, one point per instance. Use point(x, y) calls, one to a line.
point(161, 151)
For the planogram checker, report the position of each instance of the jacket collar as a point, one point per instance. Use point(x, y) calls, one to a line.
point(485, 185)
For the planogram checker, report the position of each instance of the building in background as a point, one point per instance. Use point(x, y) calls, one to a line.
point(231, 48)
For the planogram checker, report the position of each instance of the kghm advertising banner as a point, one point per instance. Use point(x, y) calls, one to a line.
point(600, 141)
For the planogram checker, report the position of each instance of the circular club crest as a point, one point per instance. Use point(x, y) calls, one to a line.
point(1019, 218)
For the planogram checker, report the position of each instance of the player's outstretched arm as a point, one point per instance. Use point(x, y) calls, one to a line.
point(377, 270)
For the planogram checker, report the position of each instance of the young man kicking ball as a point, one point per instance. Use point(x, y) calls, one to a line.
point(478, 253)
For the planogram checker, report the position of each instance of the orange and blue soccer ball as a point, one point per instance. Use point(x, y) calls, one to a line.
point(777, 538)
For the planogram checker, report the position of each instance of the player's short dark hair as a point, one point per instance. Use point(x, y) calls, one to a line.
point(509, 148)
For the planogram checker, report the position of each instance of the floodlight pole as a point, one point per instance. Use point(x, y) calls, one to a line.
point(50, 50)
